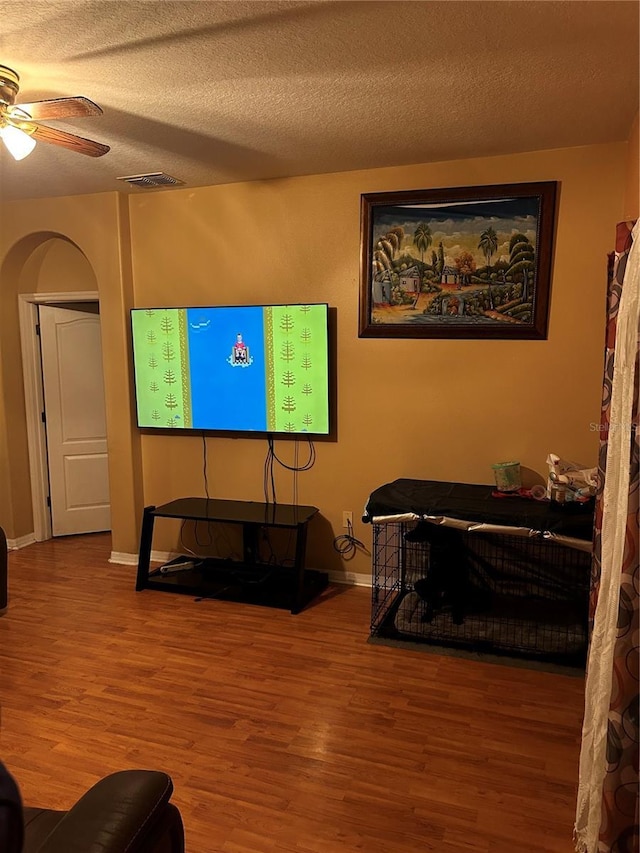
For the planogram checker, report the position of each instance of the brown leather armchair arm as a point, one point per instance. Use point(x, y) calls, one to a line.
point(126, 812)
point(11, 827)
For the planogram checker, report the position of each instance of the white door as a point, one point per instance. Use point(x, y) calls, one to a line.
point(75, 420)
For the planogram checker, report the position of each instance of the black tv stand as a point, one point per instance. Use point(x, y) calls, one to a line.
point(250, 579)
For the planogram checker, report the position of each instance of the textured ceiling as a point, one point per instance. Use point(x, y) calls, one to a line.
point(218, 92)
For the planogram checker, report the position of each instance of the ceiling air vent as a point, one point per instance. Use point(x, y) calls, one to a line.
point(153, 179)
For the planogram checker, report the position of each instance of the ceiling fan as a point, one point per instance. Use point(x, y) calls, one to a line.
point(20, 123)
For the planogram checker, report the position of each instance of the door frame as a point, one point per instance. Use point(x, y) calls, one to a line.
point(34, 399)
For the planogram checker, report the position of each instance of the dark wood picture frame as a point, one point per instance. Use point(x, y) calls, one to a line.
point(460, 262)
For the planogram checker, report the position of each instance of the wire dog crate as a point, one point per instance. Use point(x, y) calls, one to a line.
point(485, 592)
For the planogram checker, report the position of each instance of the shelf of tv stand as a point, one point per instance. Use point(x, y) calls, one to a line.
point(250, 579)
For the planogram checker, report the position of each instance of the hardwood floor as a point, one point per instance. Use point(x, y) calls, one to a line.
point(283, 734)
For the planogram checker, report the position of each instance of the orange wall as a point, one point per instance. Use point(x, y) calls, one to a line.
point(632, 194)
point(58, 267)
point(439, 409)
point(432, 409)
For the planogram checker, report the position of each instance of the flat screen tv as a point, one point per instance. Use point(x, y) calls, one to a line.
point(257, 368)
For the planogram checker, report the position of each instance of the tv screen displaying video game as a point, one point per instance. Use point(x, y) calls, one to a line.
point(258, 368)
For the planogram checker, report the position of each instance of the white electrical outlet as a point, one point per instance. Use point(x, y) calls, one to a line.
point(347, 518)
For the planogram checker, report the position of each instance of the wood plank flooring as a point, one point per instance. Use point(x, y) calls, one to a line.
point(283, 734)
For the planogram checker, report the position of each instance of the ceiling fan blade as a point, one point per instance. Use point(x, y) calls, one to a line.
point(55, 108)
point(68, 140)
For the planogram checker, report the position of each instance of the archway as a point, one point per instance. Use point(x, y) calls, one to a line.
point(42, 269)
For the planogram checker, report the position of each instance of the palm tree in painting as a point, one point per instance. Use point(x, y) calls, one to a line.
point(422, 239)
point(488, 245)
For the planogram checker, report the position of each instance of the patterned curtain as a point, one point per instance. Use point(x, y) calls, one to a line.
point(607, 809)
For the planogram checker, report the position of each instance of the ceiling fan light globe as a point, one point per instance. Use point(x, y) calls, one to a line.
point(18, 143)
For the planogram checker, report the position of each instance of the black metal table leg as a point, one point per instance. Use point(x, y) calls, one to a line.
point(144, 555)
point(301, 544)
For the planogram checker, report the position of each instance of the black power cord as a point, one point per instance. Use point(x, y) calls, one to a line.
point(204, 465)
point(347, 545)
point(269, 485)
point(271, 457)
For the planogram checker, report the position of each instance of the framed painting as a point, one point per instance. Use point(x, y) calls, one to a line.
point(464, 262)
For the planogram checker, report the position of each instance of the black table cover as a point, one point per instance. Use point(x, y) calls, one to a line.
point(476, 503)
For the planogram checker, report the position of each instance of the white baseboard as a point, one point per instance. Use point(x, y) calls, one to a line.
point(123, 559)
point(21, 542)
point(132, 559)
point(347, 578)
point(350, 578)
